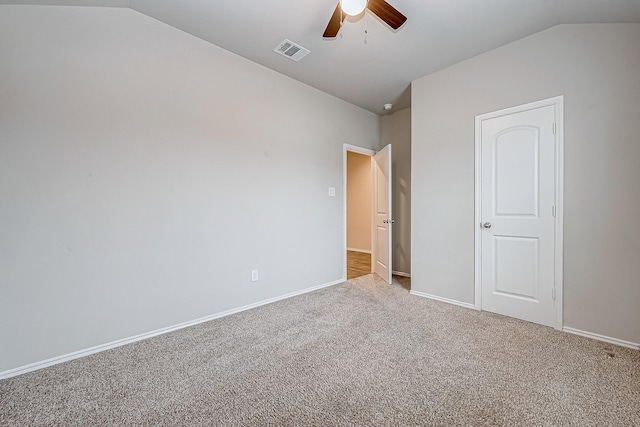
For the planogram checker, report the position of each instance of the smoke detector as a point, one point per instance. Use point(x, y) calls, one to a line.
point(291, 50)
point(388, 107)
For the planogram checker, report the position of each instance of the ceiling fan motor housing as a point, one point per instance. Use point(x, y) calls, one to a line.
point(383, 10)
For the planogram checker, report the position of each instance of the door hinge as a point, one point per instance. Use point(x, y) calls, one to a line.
point(554, 128)
point(553, 211)
point(553, 293)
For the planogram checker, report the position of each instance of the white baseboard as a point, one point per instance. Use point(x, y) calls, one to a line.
point(441, 299)
point(364, 251)
point(102, 347)
point(400, 273)
point(610, 340)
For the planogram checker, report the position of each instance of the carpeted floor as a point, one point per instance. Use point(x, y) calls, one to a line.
point(358, 353)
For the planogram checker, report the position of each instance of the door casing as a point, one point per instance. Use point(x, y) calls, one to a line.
point(558, 104)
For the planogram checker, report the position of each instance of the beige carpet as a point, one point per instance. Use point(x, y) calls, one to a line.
point(358, 353)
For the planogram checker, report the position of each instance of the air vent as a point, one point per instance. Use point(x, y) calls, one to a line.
point(291, 50)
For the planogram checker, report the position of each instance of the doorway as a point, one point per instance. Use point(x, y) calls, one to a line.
point(359, 184)
point(367, 212)
point(519, 212)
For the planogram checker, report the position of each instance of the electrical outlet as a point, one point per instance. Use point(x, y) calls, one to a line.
point(254, 275)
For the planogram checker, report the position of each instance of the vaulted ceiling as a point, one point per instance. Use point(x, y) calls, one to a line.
point(437, 33)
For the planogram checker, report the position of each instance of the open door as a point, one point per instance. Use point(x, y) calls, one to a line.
point(382, 213)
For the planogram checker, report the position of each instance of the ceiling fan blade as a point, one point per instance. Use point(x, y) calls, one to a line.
point(334, 23)
point(387, 13)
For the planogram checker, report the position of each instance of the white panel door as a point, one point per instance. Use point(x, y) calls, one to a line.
point(382, 209)
point(517, 215)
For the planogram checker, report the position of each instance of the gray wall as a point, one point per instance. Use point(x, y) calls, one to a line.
point(597, 69)
point(144, 173)
point(395, 129)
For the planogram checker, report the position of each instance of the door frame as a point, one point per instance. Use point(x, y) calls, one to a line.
point(367, 152)
point(558, 104)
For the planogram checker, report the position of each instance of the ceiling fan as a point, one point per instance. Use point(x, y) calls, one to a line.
point(380, 8)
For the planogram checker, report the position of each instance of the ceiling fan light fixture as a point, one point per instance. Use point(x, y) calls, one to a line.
point(353, 7)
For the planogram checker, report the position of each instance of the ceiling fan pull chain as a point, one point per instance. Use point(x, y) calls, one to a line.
point(365, 28)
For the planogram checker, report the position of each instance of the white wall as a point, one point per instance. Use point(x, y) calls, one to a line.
point(359, 205)
point(395, 129)
point(145, 173)
point(597, 69)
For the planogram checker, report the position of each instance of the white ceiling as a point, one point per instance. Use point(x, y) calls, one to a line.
point(437, 33)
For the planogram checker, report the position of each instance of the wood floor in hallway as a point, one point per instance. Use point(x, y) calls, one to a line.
point(358, 264)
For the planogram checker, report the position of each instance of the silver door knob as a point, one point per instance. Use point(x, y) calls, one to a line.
point(487, 225)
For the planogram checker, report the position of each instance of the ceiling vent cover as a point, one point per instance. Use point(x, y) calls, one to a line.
point(291, 50)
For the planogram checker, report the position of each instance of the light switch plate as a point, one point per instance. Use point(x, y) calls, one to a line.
point(332, 191)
